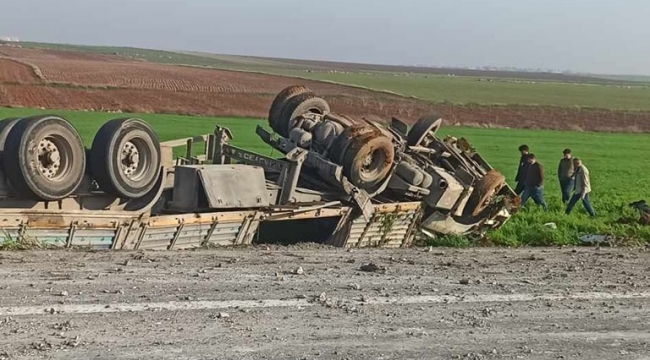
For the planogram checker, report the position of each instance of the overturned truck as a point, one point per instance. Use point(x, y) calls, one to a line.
point(340, 181)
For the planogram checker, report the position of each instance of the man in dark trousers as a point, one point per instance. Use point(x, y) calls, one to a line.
point(565, 172)
point(582, 188)
point(533, 185)
point(520, 179)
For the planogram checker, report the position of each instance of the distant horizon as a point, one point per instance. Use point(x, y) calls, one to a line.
point(424, 66)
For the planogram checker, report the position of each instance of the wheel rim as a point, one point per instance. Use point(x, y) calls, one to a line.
point(53, 157)
point(134, 159)
point(371, 165)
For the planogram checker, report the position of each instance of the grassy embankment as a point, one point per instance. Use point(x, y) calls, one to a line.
point(617, 163)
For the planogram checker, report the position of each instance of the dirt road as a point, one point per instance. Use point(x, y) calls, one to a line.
point(319, 303)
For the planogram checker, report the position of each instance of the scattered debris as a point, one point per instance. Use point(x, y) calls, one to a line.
point(372, 267)
point(354, 286)
point(223, 315)
point(644, 211)
point(551, 225)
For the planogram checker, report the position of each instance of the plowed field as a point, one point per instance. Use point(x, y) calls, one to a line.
point(14, 72)
point(73, 80)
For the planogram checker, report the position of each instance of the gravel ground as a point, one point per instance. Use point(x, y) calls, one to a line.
point(311, 302)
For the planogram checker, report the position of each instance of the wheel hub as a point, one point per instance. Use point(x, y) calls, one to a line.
point(49, 158)
point(130, 159)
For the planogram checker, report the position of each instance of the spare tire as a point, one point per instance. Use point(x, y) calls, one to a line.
point(279, 102)
point(298, 106)
point(368, 159)
point(44, 158)
point(425, 126)
point(126, 158)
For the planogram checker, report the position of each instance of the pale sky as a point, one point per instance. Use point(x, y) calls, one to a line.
point(579, 35)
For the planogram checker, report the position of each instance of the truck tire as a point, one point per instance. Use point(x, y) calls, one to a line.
point(484, 190)
point(46, 157)
point(280, 99)
point(126, 158)
point(426, 125)
point(5, 127)
point(337, 148)
point(368, 159)
point(298, 106)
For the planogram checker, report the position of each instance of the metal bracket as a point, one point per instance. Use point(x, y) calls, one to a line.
point(222, 136)
point(73, 229)
point(363, 200)
point(179, 229)
point(295, 158)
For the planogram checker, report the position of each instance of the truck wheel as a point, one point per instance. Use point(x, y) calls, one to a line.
point(425, 127)
point(297, 106)
point(337, 149)
point(126, 158)
point(368, 159)
point(46, 157)
point(5, 127)
point(280, 100)
point(484, 190)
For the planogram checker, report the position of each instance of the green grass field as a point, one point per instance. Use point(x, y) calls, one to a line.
point(465, 89)
point(628, 95)
point(617, 163)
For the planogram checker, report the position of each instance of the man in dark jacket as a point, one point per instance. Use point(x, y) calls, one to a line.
point(565, 172)
point(533, 185)
point(520, 179)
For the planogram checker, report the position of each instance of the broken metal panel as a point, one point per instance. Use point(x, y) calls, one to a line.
point(10, 234)
point(341, 233)
point(234, 186)
point(193, 230)
point(157, 238)
point(50, 237)
point(225, 234)
point(219, 187)
point(248, 233)
point(391, 225)
point(93, 238)
point(444, 224)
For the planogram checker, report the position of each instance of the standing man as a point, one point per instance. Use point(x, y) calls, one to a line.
point(565, 172)
point(582, 188)
point(520, 179)
point(534, 183)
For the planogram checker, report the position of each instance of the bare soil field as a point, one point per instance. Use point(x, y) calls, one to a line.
point(12, 71)
point(77, 81)
point(311, 302)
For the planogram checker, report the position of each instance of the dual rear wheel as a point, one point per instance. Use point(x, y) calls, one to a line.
point(44, 158)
